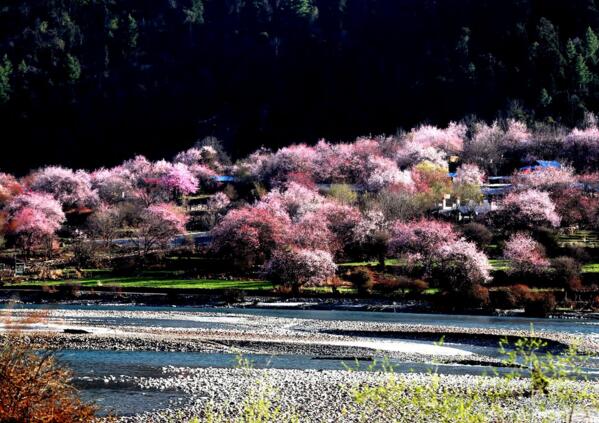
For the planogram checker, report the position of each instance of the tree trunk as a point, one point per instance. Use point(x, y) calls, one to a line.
point(382, 260)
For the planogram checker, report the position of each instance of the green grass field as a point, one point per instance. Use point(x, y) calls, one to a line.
point(590, 268)
point(174, 279)
point(388, 262)
point(146, 282)
point(499, 264)
point(580, 238)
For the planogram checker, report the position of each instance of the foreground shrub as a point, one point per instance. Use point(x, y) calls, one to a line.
point(549, 239)
point(35, 389)
point(159, 224)
point(335, 283)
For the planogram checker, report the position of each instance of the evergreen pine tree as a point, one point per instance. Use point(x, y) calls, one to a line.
point(583, 74)
point(591, 44)
point(194, 15)
point(5, 73)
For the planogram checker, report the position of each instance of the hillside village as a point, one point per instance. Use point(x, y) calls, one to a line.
point(495, 216)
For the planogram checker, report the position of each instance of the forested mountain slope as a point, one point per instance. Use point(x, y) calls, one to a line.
point(89, 82)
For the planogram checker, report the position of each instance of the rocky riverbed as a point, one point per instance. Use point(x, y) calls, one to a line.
point(308, 395)
point(316, 395)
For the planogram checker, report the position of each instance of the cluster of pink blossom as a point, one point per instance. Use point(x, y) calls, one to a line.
point(421, 237)
point(80, 193)
point(297, 267)
point(450, 139)
point(342, 221)
point(548, 178)
point(383, 172)
point(525, 254)
point(294, 216)
point(34, 217)
point(576, 207)
point(160, 181)
point(71, 189)
point(582, 147)
point(292, 222)
point(371, 163)
point(9, 187)
point(293, 159)
point(249, 235)
point(464, 258)
point(113, 185)
point(294, 200)
point(436, 246)
point(527, 209)
point(411, 154)
point(203, 156)
point(171, 217)
point(372, 223)
point(515, 135)
point(218, 202)
point(159, 224)
point(469, 174)
point(203, 163)
point(490, 146)
point(137, 178)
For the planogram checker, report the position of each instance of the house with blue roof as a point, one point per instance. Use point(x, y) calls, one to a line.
point(224, 178)
point(541, 164)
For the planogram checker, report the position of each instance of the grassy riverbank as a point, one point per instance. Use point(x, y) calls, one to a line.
point(149, 282)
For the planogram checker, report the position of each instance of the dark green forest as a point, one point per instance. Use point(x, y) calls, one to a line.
point(89, 82)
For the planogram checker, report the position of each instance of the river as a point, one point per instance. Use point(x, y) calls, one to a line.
point(107, 377)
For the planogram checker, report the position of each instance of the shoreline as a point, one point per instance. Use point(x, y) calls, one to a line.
point(214, 300)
